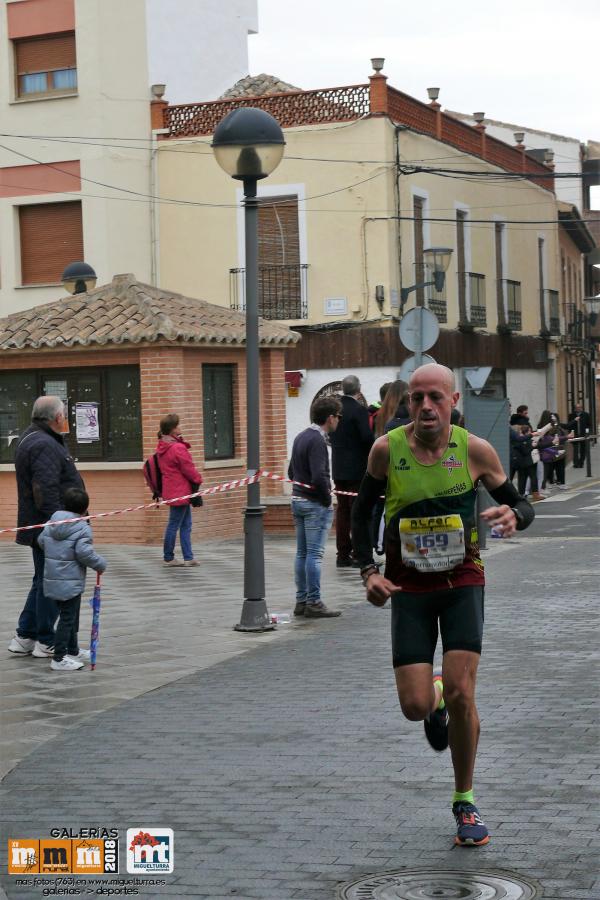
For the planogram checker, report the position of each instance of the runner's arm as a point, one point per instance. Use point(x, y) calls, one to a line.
point(371, 488)
point(514, 512)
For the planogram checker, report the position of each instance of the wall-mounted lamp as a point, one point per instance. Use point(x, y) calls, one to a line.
point(437, 259)
point(377, 63)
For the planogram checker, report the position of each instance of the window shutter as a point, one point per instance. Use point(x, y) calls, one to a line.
point(46, 53)
point(278, 236)
point(51, 238)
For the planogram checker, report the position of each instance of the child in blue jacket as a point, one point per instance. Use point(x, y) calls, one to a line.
point(68, 549)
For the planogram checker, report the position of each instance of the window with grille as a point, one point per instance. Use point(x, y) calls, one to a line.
point(51, 238)
point(279, 269)
point(112, 392)
point(218, 383)
point(46, 66)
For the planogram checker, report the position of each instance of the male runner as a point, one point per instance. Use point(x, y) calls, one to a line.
point(428, 471)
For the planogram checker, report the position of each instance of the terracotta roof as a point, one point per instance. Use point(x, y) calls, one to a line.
point(127, 311)
point(257, 85)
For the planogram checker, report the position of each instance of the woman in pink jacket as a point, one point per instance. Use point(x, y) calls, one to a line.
point(179, 477)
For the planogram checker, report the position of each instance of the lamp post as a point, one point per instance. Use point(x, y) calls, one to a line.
point(78, 278)
point(438, 260)
point(248, 144)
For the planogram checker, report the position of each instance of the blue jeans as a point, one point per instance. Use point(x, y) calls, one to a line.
point(180, 520)
point(40, 612)
point(312, 522)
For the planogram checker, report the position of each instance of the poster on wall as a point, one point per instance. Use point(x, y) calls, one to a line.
point(87, 423)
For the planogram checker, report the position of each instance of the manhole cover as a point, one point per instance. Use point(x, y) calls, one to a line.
point(440, 885)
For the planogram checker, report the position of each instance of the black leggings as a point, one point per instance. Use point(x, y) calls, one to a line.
point(554, 472)
point(522, 476)
point(65, 640)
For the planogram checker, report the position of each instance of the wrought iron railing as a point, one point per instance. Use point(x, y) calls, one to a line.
point(282, 291)
point(576, 326)
point(471, 285)
point(434, 300)
point(513, 303)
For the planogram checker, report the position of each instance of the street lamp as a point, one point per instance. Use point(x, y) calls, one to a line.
point(248, 144)
point(438, 260)
point(78, 278)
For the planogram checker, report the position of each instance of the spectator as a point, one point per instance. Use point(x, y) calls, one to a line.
point(457, 418)
point(68, 549)
point(521, 417)
point(580, 424)
point(394, 409)
point(179, 477)
point(553, 450)
point(45, 470)
point(375, 407)
point(350, 442)
point(311, 508)
point(521, 446)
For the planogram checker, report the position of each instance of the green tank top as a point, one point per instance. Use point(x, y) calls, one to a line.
point(418, 489)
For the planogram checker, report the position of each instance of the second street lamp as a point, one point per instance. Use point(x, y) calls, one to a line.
point(248, 144)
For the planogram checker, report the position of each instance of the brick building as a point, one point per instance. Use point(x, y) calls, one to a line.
point(131, 353)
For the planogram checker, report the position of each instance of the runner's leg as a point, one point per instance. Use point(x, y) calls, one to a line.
point(459, 673)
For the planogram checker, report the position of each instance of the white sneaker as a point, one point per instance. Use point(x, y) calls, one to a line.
point(67, 664)
point(171, 563)
point(42, 650)
point(83, 655)
point(22, 646)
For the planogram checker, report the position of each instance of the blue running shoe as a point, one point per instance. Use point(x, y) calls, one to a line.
point(436, 725)
point(471, 830)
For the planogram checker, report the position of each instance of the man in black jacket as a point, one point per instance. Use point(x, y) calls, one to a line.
point(350, 445)
point(579, 423)
point(44, 471)
point(311, 506)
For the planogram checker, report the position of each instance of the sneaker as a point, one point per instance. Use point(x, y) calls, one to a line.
point(320, 611)
point(436, 724)
point(471, 831)
point(191, 562)
point(300, 608)
point(21, 646)
point(42, 650)
point(536, 497)
point(67, 664)
point(562, 487)
point(83, 656)
point(343, 562)
point(170, 563)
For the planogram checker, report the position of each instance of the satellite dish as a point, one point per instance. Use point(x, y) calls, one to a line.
point(418, 320)
point(409, 365)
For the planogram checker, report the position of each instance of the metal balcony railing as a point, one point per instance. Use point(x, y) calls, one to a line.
point(434, 300)
point(471, 285)
point(282, 291)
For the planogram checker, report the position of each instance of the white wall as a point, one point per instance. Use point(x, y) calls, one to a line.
point(198, 48)
point(527, 386)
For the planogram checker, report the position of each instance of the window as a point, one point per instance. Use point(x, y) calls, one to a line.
point(113, 395)
point(217, 403)
point(280, 289)
point(418, 210)
point(46, 65)
point(461, 218)
point(51, 238)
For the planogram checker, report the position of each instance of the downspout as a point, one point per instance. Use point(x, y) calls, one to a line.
point(397, 130)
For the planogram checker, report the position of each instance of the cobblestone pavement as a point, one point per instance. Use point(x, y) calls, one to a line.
point(288, 769)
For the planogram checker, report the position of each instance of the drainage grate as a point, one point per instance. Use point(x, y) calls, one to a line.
point(422, 884)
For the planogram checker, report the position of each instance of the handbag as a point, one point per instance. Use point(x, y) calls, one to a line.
point(196, 501)
point(535, 456)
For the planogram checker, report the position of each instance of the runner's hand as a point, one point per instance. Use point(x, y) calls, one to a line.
point(502, 518)
point(379, 589)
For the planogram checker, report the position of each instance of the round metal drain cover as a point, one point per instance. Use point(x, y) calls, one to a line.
point(422, 884)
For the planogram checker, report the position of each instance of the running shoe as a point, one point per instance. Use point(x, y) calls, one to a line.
point(471, 830)
point(436, 724)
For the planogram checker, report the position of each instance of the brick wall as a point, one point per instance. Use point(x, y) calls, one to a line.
point(171, 381)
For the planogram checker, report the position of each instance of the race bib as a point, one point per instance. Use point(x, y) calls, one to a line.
point(432, 543)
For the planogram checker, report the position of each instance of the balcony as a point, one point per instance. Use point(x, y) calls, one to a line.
point(428, 296)
point(471, 287)
point(576, 327)
point(282, 291)
point(552, 308)
point(511, 290)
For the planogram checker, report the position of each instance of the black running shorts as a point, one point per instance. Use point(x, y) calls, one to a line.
point(415, 618)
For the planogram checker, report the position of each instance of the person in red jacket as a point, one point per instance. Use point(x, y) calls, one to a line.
point(179, 477)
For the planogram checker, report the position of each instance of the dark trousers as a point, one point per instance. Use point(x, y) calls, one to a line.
point(343, 540)
point(579, 449)
point(65, 640)
point(39, 613)
point(554, 472)
point(522, 476)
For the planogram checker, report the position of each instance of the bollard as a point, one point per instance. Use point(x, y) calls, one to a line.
point(481, 523)
point(588, 453)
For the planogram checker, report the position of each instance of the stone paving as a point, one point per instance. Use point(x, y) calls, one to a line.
point(281, 761)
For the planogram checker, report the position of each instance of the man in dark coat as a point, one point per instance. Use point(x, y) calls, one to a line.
point(350, 446)
point(44, 470)
point(580, 424)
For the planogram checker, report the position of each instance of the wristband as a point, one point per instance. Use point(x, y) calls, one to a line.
point(367, 571)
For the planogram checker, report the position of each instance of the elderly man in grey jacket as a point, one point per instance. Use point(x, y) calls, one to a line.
point(68, 549)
